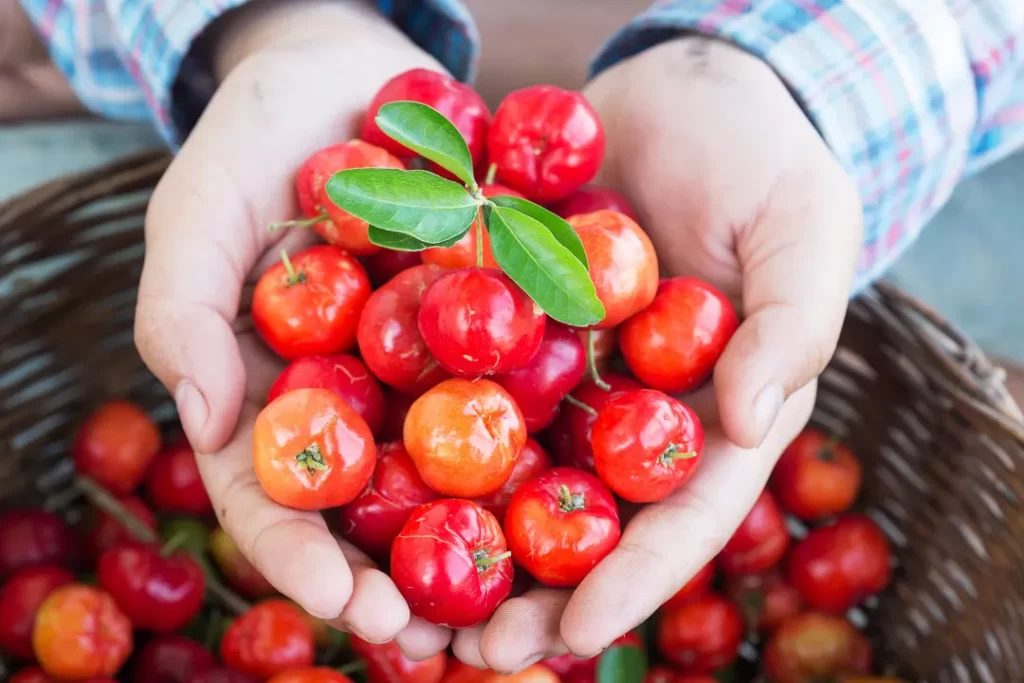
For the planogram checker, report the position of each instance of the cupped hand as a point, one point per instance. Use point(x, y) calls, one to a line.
point(736, 187)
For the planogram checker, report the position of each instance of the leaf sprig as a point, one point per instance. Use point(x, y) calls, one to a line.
point(417, 210)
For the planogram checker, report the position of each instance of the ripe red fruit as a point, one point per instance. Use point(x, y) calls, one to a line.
point(80, 634)
point(570, 434)
point(646, 445)
point(698, 586)
point(341, 374)
point(272, 637)
point(236, 568)
point(390, 342)
point(30, 538)
point(171, 659)
point(674, 343)
point(537, 673)
point(532, 460)
point(104, 531)
point(173, 483)
point(316, 674)
point(311, 450)
point(766, 600)
point(560, 524)
point(622, 263)
point(387, 263)
point(20, 598)
point(338, 227)
point(222, 674)
point(458, 102)
point(546, 142)
point(701, 636)
point(555, 369)
point(760, 541)
point(464, 437)
point(450, 563)
point(375, 517)
point(816, 647)
point(309, 305)
point(816, 477)
point(476, 322)
point(834, 567)
point(115, 446)
point(385, 663)
point(463, 254)
point(591, 198)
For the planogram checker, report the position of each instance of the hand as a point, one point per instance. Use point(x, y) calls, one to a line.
point(297, 76)
point(736, 187)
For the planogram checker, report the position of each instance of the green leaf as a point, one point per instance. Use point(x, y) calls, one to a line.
point(400, 242)
point(622, 664)
point(414, 203)
point(546, 270)
point(559, 228)
point(427, 132)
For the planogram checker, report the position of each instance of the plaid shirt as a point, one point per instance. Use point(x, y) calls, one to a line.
point(911, 95)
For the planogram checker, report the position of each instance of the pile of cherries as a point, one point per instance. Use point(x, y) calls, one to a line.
point(465, 434)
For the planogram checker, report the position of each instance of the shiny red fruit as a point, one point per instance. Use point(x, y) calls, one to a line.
point(560, 524)
point(309, 304)
point(385, 663)
point(30, 537)
point(570, 434)
point(171, 659)
point(834, 567)
point(272, 637)
point(816, 647)
point(236, 568)
point(20, 598)
point(341, 374)
point(766, 600)
point(463, 254)
point(390, 342)
point(476, 322)
point(698, 586)
point(546, 142)
point(556, 369)
point(701, 636)
point(674, 343)
point(760, 541)
point(223, 674)
point(315, 674)
point(816, 477)
point(571, 669)
point(532, 460)
point(116, 445)
point(591, 198)
point(104, 531)
point(451, 564)
point(173, 483)
point(382, 266)
point(375, 517)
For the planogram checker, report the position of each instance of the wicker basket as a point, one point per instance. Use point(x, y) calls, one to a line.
point(941, 438)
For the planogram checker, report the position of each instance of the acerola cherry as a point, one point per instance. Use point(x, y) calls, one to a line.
point(387, 263)
point(476, 322)
point(555, 369)
point(701, 636)
point(20, 598)
point(646, 445)
point(335, 225)
point(537, 673)
point(272, 637)
point(375, 517)
point(390, 342)
point(32, 674)
point(464, 437)
point(451, 564)
point(765, 599)
point(171, 659)
point(816, 647)
point(311, 450)
point(80, 633)
point(674, 343)
point(560, 524)
point(385, 663)
point(760, 541)
point(699, 585)
point(816, 477)
point(30, 538)
point(173, 483)
point(457, 672)
point(236, 568)
point(340, 374)
point(222, 674)
point(622, 262)
point(316, 674)
point(591, 198)
point(463, 254)
point(546, 142)
point(532, 460)
point(115, 446)
point(309, 305)
point(570, 434)
point(104, 531)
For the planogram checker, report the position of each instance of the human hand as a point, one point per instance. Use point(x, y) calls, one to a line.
point(296, 76)
point(735, 187)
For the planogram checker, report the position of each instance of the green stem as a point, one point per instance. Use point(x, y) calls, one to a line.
point(175, 542)
point(827, 453)
point(352, 667)
point(595, 376)
point(492, 171)
point(300, 223)
point(294, 278)
point(569, 501)
point(573, 401)
point(675, 452)
point(483, 561)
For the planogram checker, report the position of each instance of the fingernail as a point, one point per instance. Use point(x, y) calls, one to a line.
point(192, 410)
point(766, 408)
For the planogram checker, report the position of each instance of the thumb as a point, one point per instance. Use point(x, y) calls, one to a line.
point(798, 262)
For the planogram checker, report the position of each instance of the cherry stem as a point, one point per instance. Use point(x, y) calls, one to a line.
point(595, 376)
point(569, 501)
point(479, 245)
point(300, 223)
point(293, 277)
point(352, 667)
point(174, 543)
point(827, 452)
point(483, 562)
point(573, 401)
point(492, 171)
point(312, 459)
point(675, 452)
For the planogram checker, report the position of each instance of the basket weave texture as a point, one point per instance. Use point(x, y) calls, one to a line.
point(941, 440)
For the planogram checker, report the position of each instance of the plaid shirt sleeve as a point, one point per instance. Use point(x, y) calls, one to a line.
point(123, 58)
point(911, 96)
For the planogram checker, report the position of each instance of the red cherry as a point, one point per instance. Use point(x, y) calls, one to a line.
point(30, 538)
point(314, 674)
point(816, 477)
point(387, 263)
point(560, 524)
point(377, 515)
point(173, 482)
point(340, 374)
point(272, 637)
point(555, 369)
point(532, 460)
point(819, 647)
point(765, 599)
point(591, 198)
point(699, 585)
point(115, 446)
point(104, 531)
point(389, 338)
point(701, 636)
point(397, 408)
point(760, 541)
point(673, 344)
point(309, 305)
point(385, 663)
point(476, 322)
point(570, 434)
point(222, 674)
point(463, 254)
point(157, 592)
point(546, 142)
point(450, 563)
point(171, 659)
point(20, 598)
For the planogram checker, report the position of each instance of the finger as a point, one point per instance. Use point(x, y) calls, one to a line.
point(422, 640)
point(466, 646)
point(524, 630)
point(19, 40)
point(377, 612)
point(668, 542)
point(37, 90)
